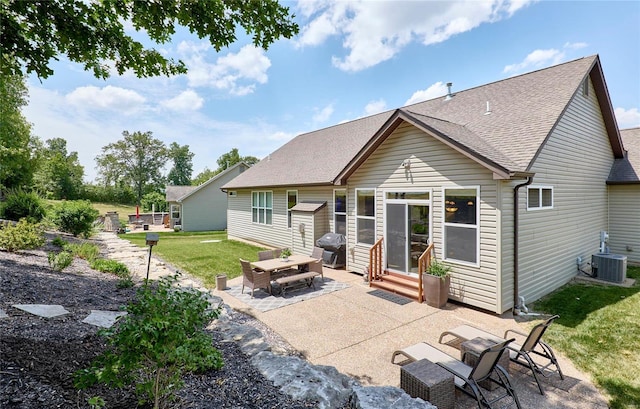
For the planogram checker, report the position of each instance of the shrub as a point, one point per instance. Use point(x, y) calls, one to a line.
point(60, 242)
point(60, 261)
point(154, 198)
point(21, 236)
point(110, 266)
point(160, 339)
point(75, 217)
point(19, 204)
point(86, 251)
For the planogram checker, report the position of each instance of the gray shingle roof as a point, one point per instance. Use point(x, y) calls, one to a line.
point(524, 110)
point(173, 193)
point(627, 170)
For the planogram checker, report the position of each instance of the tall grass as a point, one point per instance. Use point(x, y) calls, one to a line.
point(599, 330)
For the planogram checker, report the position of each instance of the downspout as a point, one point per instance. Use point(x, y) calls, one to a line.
point(516, 299)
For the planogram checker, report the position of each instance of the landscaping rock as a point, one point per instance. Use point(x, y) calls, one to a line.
point(375, 397)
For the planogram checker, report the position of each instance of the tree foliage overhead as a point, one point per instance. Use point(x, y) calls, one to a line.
point(136, 160)
point(180, 173)
point(92, 33)
point(17, 145)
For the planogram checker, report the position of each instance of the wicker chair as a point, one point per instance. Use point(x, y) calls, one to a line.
point(317, 266)
point(266, 255)
point(253, 278)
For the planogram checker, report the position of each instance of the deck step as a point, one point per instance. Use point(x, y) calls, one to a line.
point(397, 284)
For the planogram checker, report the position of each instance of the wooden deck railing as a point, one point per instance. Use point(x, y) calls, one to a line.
point(375, 261)
point(424, 261)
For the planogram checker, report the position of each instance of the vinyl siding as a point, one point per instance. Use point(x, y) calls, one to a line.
point(277, 234)
point(624, 221)
point(576, 161)
point(206, 209)
point(433, 167)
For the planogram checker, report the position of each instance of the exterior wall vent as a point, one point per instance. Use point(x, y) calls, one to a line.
point(609, 267)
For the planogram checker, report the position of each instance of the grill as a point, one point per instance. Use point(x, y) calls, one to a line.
point(335, 250)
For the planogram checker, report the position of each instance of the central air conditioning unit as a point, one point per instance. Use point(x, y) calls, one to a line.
point(609, 267)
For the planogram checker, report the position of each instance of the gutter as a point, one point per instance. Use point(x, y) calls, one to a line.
point(516, 298)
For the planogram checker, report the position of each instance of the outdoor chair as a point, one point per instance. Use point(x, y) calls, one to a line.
point(253, 278)
point(266, 255)
point(317, 266)
point(466, 377)
point(525, 355)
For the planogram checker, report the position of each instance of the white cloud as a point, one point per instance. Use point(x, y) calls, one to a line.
point(109, 97)
point(238, 73)
point(627, 118)
point(376, 31)
point(536, 59)
point(375, 107)
point(434, 91)
point(575, 46)
point(188, 100)
point(322, 115)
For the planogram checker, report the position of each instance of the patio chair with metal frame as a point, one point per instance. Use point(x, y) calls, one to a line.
point(519, 354)
point(253, 278)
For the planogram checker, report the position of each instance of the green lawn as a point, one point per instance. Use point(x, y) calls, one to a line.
point(103, 208)
point(197, 254)
point(599, 330)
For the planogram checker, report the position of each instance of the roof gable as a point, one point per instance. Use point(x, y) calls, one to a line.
point(174, 193)
point(502, 125)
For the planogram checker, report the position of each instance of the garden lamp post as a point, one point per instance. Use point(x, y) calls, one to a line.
point(152, 240)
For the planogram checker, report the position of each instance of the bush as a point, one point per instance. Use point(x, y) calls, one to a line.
point(19, 204)
point(60, 261)
point(154, 198)
point(75, 217)
point(60, 242)
point(160, 339)
point(86, 251)
point(21, 236)
point(110, 266)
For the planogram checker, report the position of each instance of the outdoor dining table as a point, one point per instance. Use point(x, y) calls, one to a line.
point(274, 264)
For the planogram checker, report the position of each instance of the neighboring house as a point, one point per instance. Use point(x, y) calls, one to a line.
point(508, 180)
point(203, 207)
point(624, 199)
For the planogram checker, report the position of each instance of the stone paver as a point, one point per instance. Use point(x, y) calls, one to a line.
point(104, 319)
point(42, 310)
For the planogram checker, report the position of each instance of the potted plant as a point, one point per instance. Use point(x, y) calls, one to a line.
point(285, 253)
point(436, 282)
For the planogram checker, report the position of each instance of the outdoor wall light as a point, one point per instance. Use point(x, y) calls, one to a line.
point(406, 164)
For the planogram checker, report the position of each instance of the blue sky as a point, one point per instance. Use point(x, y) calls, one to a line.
point(351, 59)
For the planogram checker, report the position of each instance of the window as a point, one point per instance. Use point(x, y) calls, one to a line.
point(585, 87)
point(340, 212)
point(365, 216)
point(461, 222)
point(539, 197)
point(292, 200)
point(175, 211)
point(233, 193)
point(262, 207)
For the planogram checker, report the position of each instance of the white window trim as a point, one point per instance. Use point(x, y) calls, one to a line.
point(262, 208)
point(339, 213)
point(179, 211)
point(358, 218)
point(289, 221)
point(540, 188)
point(468, 226)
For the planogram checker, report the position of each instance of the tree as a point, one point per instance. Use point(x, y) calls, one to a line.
point(138, 159)
point(60, 173)
point(225, 161)
point(180, 173)
point(18, 158)
point(92, 33)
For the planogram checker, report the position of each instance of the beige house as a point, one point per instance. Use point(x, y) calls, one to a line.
point(624, 199)
point(203, 207)
point(508, 181)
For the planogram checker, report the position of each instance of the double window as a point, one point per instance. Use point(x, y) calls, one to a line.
point(340, 211)
point(365, 216)
point(262, 207)
point(539, 197)
point(461, 225)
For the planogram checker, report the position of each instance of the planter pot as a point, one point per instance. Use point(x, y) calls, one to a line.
point(221, 282)
point(436, 290)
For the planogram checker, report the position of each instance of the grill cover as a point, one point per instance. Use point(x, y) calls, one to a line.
point(335, 249)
